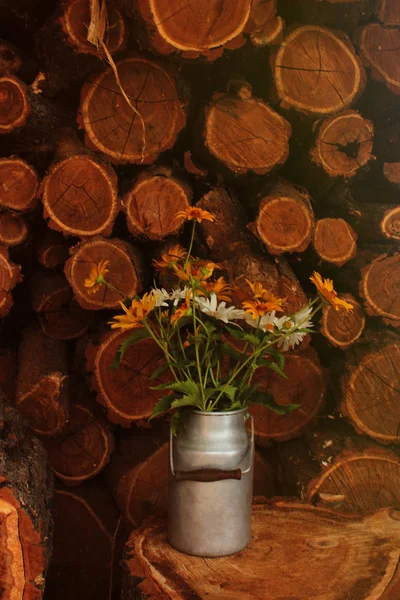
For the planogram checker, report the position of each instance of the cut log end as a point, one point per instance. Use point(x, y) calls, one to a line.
point(9, 277)
point(388, 12)
point(343, 328)
point(380, 288)
point(344, 144)
point(307, 75)
point(80, 197)
point(53, 250)
point(14, 104)
point(152, 203)
point(390, 224)
point(114, 128)
point(265, 143)
point(335, 241)
point(18, 184)
point(391, 171)
point(372, 395)
point(13, 229)
point(124, 268)
point(269, 34)
point(376, 48)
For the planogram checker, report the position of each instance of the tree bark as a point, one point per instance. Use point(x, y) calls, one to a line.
point(335, 241)
point(244, 133)
point(42, 389)
point(306, 72)
point(343, 328)
point(25, 517)
point(52, 250)
point(285, 220)
point(378, 45)
point(13, 229)
point(111, 125)
point(124, 272)
point(125, 391)
point(379, 287)
point(343, 144)
point(370, 387)
point(336, 556)
point(80, 191)
point(10, 275)
point(152, 203)
point(19, 185)
point(388, 12)
point(66, 54)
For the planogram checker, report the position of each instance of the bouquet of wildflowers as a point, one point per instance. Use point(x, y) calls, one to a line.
point(212, 347)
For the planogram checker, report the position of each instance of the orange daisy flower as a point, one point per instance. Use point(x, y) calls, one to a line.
point(220, 287)
point(96, 277)
point(135, 314)
point(192, 213)
point(199, 270)
point(261, 293)
point(182, 310)
point(170, 257)
point(258, 308)
point(327, 292)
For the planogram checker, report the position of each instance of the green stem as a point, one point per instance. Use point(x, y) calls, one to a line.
point(164, 349)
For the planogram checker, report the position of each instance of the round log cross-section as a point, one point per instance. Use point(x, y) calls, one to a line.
point(124, 268)
point(114, 128)
point(380, 288)
point(317, 72)
point(14, 104)
point(379, 48)
point(80, 196)
point(390, 223)
point(9, 277)
point(13, 229)
point(389, 12)
point(152, 203)
point(18, 184)
point(245, 134)
point(196, 27)
point(344, 144)
point(343, 328)
point(335, 241)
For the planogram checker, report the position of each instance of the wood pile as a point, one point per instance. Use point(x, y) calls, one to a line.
point(280, 117)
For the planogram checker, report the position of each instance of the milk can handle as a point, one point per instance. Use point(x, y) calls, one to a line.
point(210, 475)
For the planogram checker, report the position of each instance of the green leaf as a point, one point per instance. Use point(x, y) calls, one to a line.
point(136, 336)
point(268, 401)
point(277, 369)
point(163, 405)
point(230, 391)
point(186, 401)
point(159, 371)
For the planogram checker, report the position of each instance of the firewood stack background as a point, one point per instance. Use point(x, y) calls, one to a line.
point(282, 119)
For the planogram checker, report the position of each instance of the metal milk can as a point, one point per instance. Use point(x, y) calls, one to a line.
point(211, 484)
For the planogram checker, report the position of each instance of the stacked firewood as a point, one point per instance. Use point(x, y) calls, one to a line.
point(280, 118)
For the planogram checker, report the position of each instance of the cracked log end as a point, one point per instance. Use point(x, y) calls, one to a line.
point(246, 134)
point(335, 241)
point(344, 144)
point(305, 386)
point(10, 275)
point(126, 390)
point(380, 288)
point(18, 184)
point(124, 272)
point(14, 104)
point(112, 126)
point(378, 46)
point(13, 229)
point(317, 72)
point(359, 481)
point(343, 328)
point(42, 389)
point(372, 394)
point(336, 556)
point(152, 203)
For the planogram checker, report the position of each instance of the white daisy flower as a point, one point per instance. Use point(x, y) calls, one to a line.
point(299, 320)
point(265, 320)
point(178, 294)
point(210, 307)
point(160, 296)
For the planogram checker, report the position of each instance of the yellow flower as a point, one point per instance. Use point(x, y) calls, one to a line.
point(260, 293)
point(258, 308)
point(182, 309)
point(192, 213)
point(220, 287)
point(95, 280)
point(135, 314)
point(327, 292)
point(170, 257)
point(200, 270)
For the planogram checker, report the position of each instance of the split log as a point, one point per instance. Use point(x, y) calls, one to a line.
point(124, 272)
point(152, 203)
point(379, 50)
point(13, 229)
point(343, 144)
point(388, 12)
point(203, 29)
point(139, 484)
point(305, 385)
point(371, 387)
point(9, 277)
point(80, 191)
point(380, 288)
point(84, 448)
point(335, 241)
point(343, 328)
point(336, 556)
point(52, 250)
point(126, 391)
point(25, 511)
point(244, 133)
point(285, 221)
point(62, 45)
point(42, 390)
point(317, 72)
point(85, 533)
point(115, 129)
point(19, 185)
